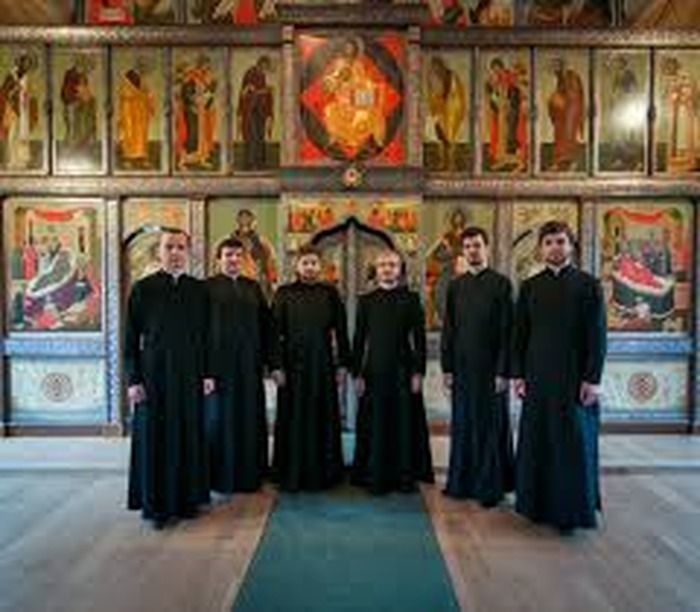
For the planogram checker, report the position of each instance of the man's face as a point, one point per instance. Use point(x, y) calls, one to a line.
point(173, 252)
point(230, 260)
point(388, 266)
point(475, 250)
point(556, 249)
point(309, 267)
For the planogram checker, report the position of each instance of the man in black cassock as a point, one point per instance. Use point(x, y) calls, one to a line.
point(240, 339)
point(165, 349)
point(309, 323)
point(560, 345)
point(392, 451)
point(475, 343)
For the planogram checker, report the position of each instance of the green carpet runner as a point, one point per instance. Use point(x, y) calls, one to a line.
point(343, 550)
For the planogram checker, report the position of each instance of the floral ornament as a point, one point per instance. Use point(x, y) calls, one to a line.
point(352, 177)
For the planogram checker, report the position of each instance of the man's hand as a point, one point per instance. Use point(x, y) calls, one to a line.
point(416, 383)
point(520, 388)
point(501, 384)
point(136, 394)
point(340, 375)
point(589, 393)
point(209, 386)
point(360, 386)
point(447, 382)
point(279, 377)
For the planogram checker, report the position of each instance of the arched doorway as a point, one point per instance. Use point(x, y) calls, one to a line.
point(349, 249)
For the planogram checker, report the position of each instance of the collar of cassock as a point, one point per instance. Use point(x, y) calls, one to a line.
point(174, 276)
point(558, 271)
point(388, 287)
point(476, 271)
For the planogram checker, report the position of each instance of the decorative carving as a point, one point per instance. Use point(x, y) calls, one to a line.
point(57, 387)
point(114, 312)
point(388, 14)
point(642, 386)
point(352, 177)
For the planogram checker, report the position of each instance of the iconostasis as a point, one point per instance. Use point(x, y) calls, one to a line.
point(354, 128)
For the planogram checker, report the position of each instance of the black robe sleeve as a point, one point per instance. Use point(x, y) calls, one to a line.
point(359, 341)
point(522, 332)
point(595, 335)
point(418, 341)
point(340, 327)
point(447, 336)
point(267, 339)
point(207, 331)
point(505, 325)
point(277, 330)
point(132, 337)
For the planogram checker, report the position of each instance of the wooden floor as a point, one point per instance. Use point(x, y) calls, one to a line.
point(67, 544)
point(645, 557)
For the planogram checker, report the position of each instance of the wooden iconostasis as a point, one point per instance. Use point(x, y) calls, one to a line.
point(353, 130)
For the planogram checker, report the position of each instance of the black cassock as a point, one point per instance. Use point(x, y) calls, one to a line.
point(560, 342)
point(309, 323)
point(392, 449)
point(240, 339)
point(476, 342)
point(165, 350)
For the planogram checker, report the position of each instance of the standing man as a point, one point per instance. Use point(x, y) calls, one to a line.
point(475, 347)
point(240, 338)
point(560, 345)
point(310, 322)
point(165, 351)
point(393, 450)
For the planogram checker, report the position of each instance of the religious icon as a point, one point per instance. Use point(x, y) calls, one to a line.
point(241, 12)
point(42, 13)
point(442, 226)
point(79, 117)
point(154, 11)
point(254, 223)
point(447, 145)
point(494, 13)
point(129, 12)
point(143, 222)
point(351, 100)
point(505, 129)
point(108, 12)
point(255, 82)
point(54, 265)
point(22, 103)
point(198, 83)
point(391, 221)
point(659, 14)
point(571, 13)
point(528, 217)
point(646, 259)
point(138, 86)
point(678, 112)
point(562, 91)
point(623, 99)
